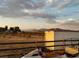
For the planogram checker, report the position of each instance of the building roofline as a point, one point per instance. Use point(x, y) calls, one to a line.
point(63, 30)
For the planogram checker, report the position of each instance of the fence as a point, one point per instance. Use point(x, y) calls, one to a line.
point(66, 40)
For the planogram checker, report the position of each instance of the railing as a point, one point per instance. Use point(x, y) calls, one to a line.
point(38, 42)
point(76, 44)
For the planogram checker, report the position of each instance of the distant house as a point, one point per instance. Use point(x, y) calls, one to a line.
point(60, 34)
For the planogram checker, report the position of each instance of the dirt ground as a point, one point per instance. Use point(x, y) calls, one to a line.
point(15, 38)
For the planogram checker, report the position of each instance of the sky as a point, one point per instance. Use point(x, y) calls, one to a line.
point(37, 14)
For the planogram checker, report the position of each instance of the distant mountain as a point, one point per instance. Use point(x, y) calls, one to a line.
point(44, 29)
point(57, 29)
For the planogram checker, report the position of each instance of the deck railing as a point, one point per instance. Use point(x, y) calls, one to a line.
point(65, 44)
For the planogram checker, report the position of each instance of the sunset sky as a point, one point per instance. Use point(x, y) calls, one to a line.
point(36, 14)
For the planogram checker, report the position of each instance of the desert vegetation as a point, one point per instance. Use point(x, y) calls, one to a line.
point(15, 35)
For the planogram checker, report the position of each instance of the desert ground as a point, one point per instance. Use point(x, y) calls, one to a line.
point(21, 37)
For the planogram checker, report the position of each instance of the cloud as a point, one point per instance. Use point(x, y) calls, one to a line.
point(68, 4)
point(58, 3)
point(39, 14)
point(50, 1)
point(12, 8)
point(62, 4)
point(24, 8)
point(43, 15)
point(69, 24)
